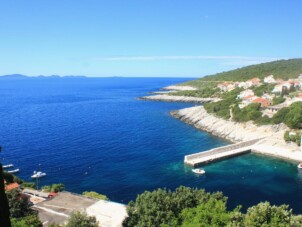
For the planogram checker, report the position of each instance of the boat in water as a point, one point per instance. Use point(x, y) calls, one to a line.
point(300, 166)
point(7, 166)
point(14, 171)
point(199, 171)
point(38, 174)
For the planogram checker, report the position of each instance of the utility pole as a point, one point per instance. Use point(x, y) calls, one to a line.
point(4, 208)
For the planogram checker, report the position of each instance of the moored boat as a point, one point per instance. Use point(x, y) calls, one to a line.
point(199, 171)
point(14, 171)
point(38, 174)
point(7, 166)
point(300, 166)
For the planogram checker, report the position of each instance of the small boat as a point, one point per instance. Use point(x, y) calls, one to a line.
point(14, 171)
point(7, 166)
point(300, 166)
point(38, 174)
point(199, 171)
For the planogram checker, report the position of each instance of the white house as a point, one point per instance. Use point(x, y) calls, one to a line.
point(278, 88)
point(269, 79)
point(243, 85)
point(226, 86)
point(268, 96)
point(247, 100)
point(245, 93)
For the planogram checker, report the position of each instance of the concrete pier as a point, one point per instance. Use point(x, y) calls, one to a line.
point(219, 153)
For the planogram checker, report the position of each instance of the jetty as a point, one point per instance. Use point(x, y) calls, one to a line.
point(219, 153)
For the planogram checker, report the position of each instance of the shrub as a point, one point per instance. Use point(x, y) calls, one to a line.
point(81, 219)
point(95, 195)
point(19, 205)
point(278, 99)
point(28, 185)
point(280, 115)
point(293, 118)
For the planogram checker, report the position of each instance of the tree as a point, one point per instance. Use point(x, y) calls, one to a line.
point(278, 99)
point(192, 207)
point(280, 115)
point(19, 205)
point(57, 187)
point(264, 214)
point(293, 118)
point(163, 207)
point(210, 213)
point(32, 221)
point(78, 219)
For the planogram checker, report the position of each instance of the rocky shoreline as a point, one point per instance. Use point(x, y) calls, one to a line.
point(273, 143)
point(171, 98)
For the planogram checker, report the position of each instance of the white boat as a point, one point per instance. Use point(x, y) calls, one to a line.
point(7, 166)
point(38, 174)
point(300, 166)
point(14, 171)
point(199, 171)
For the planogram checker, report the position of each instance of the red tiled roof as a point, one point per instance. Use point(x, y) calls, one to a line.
point(11, 186)
point(248, 97)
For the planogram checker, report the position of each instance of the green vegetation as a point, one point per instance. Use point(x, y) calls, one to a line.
point(28, 221)
point(205, 90)
point(293, 118)
point(95, 195)
point(252, 112)
point(280, 115)
point(22, 215)
point(222, 108)
point(264, 88)
point(11, 178)
point(278, 99)
point(283, 69)
point(192, 207)
point(19, 205)
point(81, 219)
point(30, 185)
point(53, 188)
point(294, 137)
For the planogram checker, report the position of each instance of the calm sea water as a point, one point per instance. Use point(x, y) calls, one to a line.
point(93, 134)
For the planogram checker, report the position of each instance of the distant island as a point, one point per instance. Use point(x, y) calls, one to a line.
point(21, 76)
point(258, 101)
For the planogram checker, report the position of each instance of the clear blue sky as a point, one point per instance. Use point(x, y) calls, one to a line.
point(181, 38)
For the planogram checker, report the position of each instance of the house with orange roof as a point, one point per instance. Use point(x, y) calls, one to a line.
point(262, 101)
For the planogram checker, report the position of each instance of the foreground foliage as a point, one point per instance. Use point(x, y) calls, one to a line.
point(22, 215)
point(192, 207)
point(81, 219)
point(291, 116)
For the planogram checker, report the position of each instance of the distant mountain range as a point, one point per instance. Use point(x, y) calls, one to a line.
point(21, 76)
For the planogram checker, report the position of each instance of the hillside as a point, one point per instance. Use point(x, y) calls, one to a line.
point(282, 69)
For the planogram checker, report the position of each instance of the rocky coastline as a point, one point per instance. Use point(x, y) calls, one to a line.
point(272, 143)
point(176, 98)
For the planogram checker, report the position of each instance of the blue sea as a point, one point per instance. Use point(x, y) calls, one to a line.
point(93, 134)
